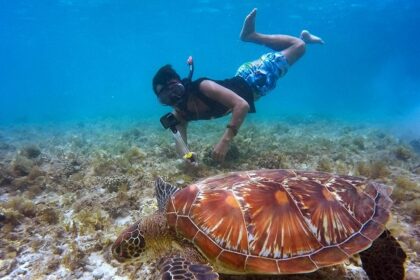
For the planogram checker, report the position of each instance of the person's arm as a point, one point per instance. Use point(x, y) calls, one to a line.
point(236, 104)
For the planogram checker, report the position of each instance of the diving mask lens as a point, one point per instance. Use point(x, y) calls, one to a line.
point(171, 93)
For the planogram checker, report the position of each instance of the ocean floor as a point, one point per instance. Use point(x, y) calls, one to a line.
point(67, 190)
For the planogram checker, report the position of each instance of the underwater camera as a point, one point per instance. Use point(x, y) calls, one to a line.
point(170, 121)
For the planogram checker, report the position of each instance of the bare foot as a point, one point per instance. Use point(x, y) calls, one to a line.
point(248, 29)
point(309, 38)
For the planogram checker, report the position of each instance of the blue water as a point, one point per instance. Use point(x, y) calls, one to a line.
point(70, 60)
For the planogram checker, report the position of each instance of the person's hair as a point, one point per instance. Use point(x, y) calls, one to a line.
point(163, 75)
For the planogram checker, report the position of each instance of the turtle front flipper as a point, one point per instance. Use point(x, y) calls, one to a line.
point(385, 259)
point(177, 267)
point(163, 191)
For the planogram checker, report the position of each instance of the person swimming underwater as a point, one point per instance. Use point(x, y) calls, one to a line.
point(205, 99)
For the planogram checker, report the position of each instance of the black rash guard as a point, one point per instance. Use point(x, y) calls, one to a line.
point(216, 109)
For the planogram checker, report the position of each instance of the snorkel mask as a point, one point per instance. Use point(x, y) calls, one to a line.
point(174, 93)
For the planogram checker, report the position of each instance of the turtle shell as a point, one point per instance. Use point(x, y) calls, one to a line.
point(279, 221)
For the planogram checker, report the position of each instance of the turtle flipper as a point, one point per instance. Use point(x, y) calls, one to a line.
point(384, 260)
point(177, 267)
point(163, 192)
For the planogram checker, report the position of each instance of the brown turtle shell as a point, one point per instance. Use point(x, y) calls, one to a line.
point(279, 221)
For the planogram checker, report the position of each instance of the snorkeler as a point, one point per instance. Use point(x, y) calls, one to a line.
point(205, 99)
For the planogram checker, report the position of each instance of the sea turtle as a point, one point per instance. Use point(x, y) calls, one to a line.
point(267, 222)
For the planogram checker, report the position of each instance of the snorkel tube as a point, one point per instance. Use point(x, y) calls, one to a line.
point(190, 63)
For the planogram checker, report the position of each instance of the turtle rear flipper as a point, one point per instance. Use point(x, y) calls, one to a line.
point(385, 259)
point(177, 267)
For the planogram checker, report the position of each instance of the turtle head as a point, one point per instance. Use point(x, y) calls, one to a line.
point(130, 245)
point(148, 236)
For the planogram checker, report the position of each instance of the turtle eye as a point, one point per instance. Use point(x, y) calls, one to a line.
point(130, 244)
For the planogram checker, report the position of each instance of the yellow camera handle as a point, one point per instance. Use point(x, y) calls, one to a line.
point(188, 155)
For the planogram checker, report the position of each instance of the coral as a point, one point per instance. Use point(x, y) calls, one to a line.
point(363, 169)
point(342, 168)
point(233, 153)
point(359, 142)
point(71, 167)
point(52, 265)
point(272, 160)
point(10, 217)
point(402, 153)
point(73, 257)
point(133, 134)
point(135, 154)
point(30, 151)
point(33, 190)
point(414, 208)
point(403, 188)
point(21, 183)
point(379, 169)
point(325, 164)
point(231, 156)
point(416, 145)
point(6, 146)
point(405, 183)
point(301, 154)
point(2, 216)
point(48, 215)
point(7, 266)
point(341, 156)
point(91, 220)
point(103, 164)
point(165, 150)
point(121, 205)
point(5, 176)
point(21, 166)
point(35, 173)
point(21, 205)
point(116, 183)
point(373, 170)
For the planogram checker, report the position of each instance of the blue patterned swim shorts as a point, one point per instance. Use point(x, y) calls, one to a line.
point(263, 73)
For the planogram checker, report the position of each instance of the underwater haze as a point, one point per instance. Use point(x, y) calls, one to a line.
point(81, 145)
point(74, 60)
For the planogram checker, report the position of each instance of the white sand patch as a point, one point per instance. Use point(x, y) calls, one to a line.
point(98, 268)
point(122, 221)
point(23, 265)
point(4, 197)
point(355, 272)
point(68, 216)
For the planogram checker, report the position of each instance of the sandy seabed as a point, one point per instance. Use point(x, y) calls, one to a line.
point(67, 190)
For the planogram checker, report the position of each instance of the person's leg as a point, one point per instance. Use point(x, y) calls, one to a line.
point(293, 48)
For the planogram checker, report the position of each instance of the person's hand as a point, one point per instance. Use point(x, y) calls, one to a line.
point(191, 160)
point(220, 151)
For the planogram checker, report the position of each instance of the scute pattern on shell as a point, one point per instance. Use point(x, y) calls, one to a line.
point(279, 221)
